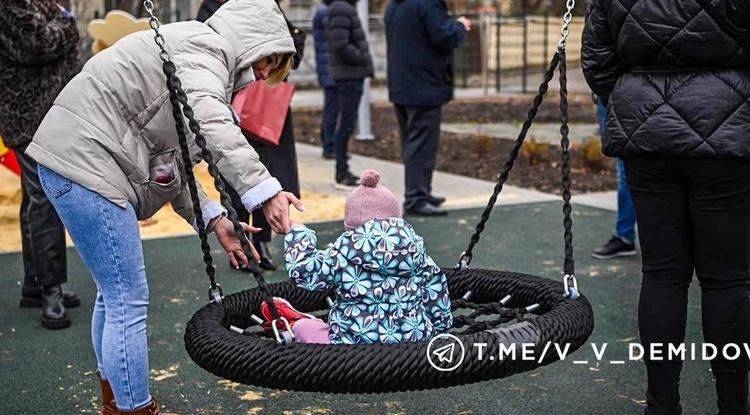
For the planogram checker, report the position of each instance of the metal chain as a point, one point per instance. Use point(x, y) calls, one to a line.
point(565, 31)
point(153, 21)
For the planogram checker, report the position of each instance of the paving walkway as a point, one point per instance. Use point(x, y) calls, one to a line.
point(460, 191)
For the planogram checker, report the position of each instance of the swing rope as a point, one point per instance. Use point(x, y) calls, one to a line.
point(180, 107)
point(558, 62)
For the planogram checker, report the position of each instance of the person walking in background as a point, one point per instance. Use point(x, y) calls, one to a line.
point(281, 160)
point(676, 88)
point(38, 56)
point(622, 243)
point(421, 36)
point(322, 65)
point(350, 63)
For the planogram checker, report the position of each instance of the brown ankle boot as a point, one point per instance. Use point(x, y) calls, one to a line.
point(150, 409)
point(108, 397)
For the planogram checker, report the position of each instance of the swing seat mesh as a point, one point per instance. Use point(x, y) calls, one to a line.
point(377, 368)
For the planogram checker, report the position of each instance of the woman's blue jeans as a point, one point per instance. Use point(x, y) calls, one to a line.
point(108, 240)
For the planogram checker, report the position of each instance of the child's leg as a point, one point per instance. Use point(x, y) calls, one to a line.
point(308, 330)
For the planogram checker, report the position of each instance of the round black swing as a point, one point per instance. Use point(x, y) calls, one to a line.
point(506, 310)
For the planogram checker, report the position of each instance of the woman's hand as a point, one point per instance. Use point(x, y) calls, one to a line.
point(224, 231)
point(276, 210)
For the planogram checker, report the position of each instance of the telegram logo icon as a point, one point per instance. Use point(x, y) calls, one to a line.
point(445, 352)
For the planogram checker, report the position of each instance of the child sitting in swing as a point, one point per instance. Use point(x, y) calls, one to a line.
point(387, 289)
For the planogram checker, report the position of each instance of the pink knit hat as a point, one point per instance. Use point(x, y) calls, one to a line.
point(370, 201)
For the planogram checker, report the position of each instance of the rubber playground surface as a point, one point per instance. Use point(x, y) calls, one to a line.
point(44, 372)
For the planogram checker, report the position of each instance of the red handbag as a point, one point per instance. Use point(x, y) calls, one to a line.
point(262, 109)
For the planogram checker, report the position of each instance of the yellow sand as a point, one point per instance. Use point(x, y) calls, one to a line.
point(320, 207)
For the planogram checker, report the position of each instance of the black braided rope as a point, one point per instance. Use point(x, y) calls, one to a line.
point(568, 265)
point(503, 177)
point(260, 361)
point(187, 172)
point(180, 106)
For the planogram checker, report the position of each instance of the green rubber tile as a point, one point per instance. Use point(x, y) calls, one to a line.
point(52, 372)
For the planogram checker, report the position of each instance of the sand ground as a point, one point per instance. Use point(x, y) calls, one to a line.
point(319, 207)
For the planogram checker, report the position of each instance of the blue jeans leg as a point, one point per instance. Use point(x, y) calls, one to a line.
point(330, 117)
point(625, 210)
point(108, 240)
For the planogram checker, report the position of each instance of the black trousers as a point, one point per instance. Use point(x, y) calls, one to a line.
point(420, 136)
point(42, 232)
point(330, 119)
point(694, 217)
point(281, 162)
point(349, 94)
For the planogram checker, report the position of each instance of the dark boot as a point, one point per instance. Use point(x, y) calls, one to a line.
point(31, 297)
point(150, 409)
point(663, 393)
point(53, 310)
point(266, 261)
point(108, 397)
point(732, 392)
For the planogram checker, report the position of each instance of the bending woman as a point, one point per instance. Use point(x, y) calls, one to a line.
point(676, 74)
point(109, 156)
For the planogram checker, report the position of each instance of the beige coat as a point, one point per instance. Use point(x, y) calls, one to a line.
point(111, 129)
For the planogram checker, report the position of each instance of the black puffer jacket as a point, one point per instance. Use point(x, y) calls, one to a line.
point(676, 73)
point(38, 56)
point(347, 44)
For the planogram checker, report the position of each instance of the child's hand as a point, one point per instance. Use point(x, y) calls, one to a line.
point(224, 231)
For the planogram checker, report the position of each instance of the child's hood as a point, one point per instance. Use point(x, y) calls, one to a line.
point(256, 29)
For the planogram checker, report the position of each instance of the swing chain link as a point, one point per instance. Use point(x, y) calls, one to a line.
point(154, 23)
point(565, 31)
point(570, 286)
point(464, 261)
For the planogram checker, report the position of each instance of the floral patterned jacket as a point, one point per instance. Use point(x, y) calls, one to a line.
point(388, 290)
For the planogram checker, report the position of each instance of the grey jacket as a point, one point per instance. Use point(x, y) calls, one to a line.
point(111, 129)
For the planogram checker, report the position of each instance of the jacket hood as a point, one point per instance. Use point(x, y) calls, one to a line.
point(255, 29)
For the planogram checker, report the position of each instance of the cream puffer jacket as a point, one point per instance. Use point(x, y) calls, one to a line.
point(111, 129)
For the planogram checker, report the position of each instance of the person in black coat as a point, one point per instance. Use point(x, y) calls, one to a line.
point(38, 56)
point(323, 68)
point(281, 160)
point(677, 80)
point(421, 37)
point(350, 63)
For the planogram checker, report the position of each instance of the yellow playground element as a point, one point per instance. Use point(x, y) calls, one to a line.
point(115, 25)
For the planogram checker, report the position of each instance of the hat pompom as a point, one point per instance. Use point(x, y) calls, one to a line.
point(370, 178)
